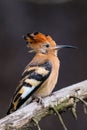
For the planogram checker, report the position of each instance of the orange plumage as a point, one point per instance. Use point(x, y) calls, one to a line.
point(40, 76)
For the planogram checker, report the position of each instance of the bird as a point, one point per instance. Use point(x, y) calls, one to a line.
point(41, 74)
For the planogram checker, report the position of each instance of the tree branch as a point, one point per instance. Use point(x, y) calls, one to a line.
point(31, 114)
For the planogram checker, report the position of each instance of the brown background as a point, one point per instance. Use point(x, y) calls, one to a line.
point(67, 24)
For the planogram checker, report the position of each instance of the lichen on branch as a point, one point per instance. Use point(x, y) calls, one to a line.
point(60, 100)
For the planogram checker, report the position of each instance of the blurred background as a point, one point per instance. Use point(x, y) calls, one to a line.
point(66, 22)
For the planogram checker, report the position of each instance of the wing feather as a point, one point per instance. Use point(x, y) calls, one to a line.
point(32, 78)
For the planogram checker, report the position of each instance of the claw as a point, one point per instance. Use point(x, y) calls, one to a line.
point(38, 99)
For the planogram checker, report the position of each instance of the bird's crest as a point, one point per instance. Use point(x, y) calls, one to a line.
point(39, 42)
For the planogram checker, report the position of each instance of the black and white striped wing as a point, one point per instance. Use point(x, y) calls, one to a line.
point(32, 78)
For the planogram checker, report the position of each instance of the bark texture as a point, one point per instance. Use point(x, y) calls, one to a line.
point(65, 98)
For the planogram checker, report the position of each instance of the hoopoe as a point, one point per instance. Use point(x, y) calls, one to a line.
point(40, 75)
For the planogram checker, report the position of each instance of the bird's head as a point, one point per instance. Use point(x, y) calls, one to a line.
point(39, 42)
point(42, 43)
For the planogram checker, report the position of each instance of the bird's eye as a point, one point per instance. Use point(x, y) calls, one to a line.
point(47, 45)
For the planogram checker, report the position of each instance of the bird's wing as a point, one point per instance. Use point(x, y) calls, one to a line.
point(32, 78)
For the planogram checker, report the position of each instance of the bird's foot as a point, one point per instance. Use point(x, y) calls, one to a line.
point(38, 99)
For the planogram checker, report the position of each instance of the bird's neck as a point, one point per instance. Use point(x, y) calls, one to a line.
point(46, 57)
point(40, 58)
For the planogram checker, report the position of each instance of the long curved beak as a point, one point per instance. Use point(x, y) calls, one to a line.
point(58, 47)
